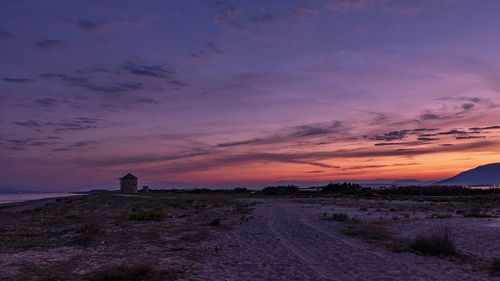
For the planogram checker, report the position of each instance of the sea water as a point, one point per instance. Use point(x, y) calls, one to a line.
point(20, 197)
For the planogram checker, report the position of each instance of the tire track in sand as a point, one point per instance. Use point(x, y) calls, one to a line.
point(306, 259)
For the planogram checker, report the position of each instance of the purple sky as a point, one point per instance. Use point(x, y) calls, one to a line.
point(227, 93)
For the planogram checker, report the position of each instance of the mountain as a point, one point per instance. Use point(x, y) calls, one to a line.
point(408, 182)
point(483, 175)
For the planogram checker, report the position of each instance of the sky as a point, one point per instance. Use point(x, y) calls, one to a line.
point(225, 93)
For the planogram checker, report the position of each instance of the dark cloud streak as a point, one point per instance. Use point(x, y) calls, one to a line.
point(48, 44)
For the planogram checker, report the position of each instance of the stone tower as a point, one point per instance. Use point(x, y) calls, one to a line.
point(128, 184)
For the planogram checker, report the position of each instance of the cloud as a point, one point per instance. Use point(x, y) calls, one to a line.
point(344, 5)
point(303, 9)
point(214, 159)
point(378, 166)
point(423, 130)
point(427, 139)
point(227, 13)
point(429, 116)
point(81, 144)
point(97, 26)
point(457, 109)
point(467, 106)
point(49, 44)
point(469, 137)
point(156, 71)
point(209, 51)
point(288, 134)
point(6, 35)
point(485, 128)
point(75, 124)
point(29, 123)
point(452, 132)
point(404, 9)
point(267, 19)
point(46, 101)
point(17, 80)
point(148, 100)
point(22, 144)
point(391, 136)
point(86, 83)
point(61, 149)
point(92, 26)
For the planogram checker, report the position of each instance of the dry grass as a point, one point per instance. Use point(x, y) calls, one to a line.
point(101, 231)
point(136, 272)
point(495, 267)
point(434, 243)
point(369, 231)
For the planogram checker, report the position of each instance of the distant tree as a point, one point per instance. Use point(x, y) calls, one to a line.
point(280, 190)
point(240, 190)
point(345, 187)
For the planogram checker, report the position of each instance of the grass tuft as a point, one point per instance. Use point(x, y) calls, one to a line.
point(137, 272)
point(88, 233)
point(148, 215)
point(438, 243)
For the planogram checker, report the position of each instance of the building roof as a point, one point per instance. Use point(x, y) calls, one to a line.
point(128, 176)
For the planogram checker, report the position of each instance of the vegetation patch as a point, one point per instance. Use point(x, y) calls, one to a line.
point(369, 231)
point(495, 267)
point(137, 272)
point(280, 190)
point(148, 215)
point(88, 233)
point(437, 243)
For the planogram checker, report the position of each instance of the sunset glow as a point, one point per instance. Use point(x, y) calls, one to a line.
point(246, 93)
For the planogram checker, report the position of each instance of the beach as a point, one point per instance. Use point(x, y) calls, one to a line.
point(6, 198)
point(229, 237)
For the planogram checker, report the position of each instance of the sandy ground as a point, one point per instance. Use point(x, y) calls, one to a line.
point(288, 241)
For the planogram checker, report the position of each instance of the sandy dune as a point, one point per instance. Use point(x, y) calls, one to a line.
point(287, 241)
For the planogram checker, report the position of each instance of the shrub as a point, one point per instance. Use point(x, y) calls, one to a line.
point(373, 232)
point(339, 217)
point(242, 208)
point(476, 212)
point(87, 233)
point(280, 190)
point(148, 215)
point(123, 272)
point(495, 267)
point(438, 243)
point(215, 222)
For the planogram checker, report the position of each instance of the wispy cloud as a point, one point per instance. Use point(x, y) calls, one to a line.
point(344, 5)
point(302, 9)
point(290, 134)
point(17, 80)
point(96, 26)
point(209, 51)
point(6, 35)
point(29, 123)
point(46, 102)
point(49, 44)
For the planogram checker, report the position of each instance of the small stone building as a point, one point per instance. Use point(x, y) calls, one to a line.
point(128, 183)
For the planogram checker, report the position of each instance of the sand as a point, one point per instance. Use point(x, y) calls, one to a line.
point(288, 241)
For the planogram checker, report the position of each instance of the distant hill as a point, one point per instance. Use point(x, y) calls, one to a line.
point(408, 182)
point(483, 175)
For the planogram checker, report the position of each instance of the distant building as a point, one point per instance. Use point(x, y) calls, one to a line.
point(128, 184)
point(145, 188)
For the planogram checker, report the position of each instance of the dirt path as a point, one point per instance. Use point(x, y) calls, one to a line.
point(286, 241)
